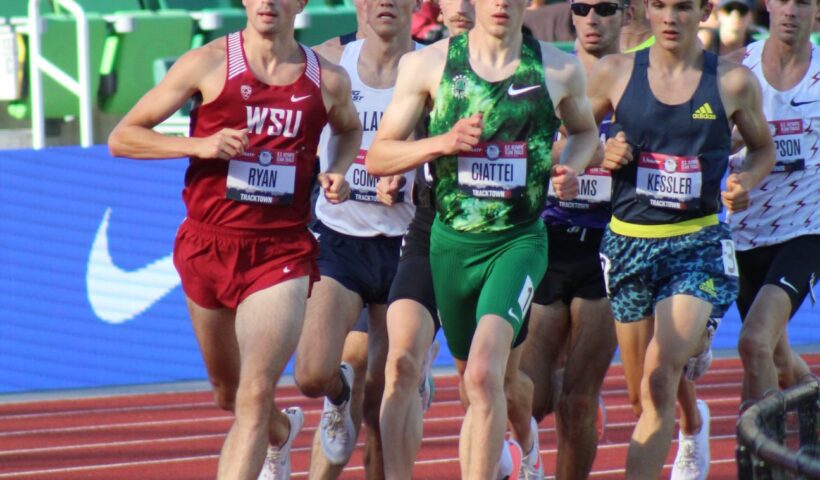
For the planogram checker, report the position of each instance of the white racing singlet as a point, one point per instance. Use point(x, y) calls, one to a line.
point(786, 204)
point(363, 215)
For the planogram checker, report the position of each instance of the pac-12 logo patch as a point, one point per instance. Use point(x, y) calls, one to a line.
point(246, 91)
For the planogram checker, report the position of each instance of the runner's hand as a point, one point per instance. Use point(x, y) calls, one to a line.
point(224, 144)
point(464, 135)
point(617, 152)
point(388, 188)
point(335, 186)
point(564, 181)
point(736, 196)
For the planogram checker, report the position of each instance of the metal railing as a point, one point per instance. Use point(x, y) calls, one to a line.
point(761, 436)
point(81, 87)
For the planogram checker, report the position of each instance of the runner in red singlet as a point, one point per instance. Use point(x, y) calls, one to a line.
point(244, 253)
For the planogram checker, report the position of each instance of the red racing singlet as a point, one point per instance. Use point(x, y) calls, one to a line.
point(268, 186)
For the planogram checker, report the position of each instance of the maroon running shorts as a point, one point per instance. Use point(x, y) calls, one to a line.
point(220, 267)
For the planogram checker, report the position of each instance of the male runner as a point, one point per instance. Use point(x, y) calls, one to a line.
point(494, 94)
point(244, 253)
point(775, 235)
point(570, 312)
point(412, 319)
point(636, 34)
point(667, 260)
point(359, 248)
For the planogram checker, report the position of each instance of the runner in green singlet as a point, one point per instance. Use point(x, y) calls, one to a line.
point(496, 97)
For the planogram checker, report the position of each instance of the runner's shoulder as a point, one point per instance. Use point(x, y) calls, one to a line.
point(735, 78)
point(331, 50)
point(612, 69)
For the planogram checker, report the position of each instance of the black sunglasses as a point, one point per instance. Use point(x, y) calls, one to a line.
point(602, 9)
point(741, 8)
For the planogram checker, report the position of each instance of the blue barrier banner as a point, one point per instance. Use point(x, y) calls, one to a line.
point(89, 296)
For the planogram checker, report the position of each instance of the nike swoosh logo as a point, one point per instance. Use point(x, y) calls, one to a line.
point(795, 103)
point(512, 91)
point(513, 315)
point(117, 295)
point(786, 283)
point(295, 99)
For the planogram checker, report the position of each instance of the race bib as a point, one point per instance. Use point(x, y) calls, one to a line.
point(362, 184)
point(789, 145)
point(594, 191)
point(263, 176)
point(494, 170)
point(669, 181)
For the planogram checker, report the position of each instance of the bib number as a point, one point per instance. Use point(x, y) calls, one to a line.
point(494, 170)
point(594, 191)
point(265, 177)
point(669, 181)
point(789, 145)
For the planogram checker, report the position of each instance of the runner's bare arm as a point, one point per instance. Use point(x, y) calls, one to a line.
point(346, 130)
point(342, 118)
point(200, 70)
point(607, 84)
point(744, 98)
point(391, 152)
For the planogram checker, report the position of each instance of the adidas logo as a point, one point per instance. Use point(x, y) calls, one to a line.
point(708, 287)
point(704, 112)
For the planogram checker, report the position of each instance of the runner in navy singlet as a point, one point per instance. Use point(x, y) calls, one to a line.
point(244, 253)
point(668, 263)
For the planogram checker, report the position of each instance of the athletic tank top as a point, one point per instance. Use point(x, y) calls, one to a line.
point(268, 186)
point(680, 153)
point(364, 215)
point(502, 182)
point(785, 204)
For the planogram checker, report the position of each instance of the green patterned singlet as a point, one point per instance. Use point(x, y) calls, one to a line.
point(501, 183)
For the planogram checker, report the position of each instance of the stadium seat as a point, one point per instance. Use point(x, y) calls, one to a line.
point(326, 22)
point(59, 46)
point(128, 58)
point(107, 7)
point(194, 4)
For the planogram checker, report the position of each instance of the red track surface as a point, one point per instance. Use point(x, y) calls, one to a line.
point(178, 435)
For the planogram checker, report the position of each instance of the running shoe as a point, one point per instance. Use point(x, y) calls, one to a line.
point(510, 463)
point(692, 460)
point(427, 386)
point(277, 460)
point(531, 466)
point(338, 434)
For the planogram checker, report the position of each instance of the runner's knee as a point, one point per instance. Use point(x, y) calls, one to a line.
point(313, 383)
point(577, 409)
point(403, 369)
point(754, 348)
point(224, 395)
point(255, 397)
point(480, 383)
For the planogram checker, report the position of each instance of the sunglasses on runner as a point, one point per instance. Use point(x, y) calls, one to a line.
point(602, 9)
point(731, 7)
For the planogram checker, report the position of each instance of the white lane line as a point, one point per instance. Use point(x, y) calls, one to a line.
point(300, 474)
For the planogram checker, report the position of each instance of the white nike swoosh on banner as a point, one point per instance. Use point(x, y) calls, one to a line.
point(512, 91)
point(117, 295)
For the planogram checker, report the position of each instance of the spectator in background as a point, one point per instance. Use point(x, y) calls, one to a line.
point(734, 30)
point(425, 27)
point(712, 20)
point(549, 22)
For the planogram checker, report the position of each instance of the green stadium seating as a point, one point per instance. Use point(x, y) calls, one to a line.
point(815, 38)
point(326, 22)
point(129, 56)
point(59, 46)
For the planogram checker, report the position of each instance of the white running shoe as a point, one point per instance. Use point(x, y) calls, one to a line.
point(338, 434)
point(531, 466)
point(696, 366)
point(427, 386)
point(277, 461)
point(510, 462)
point(692, 460)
